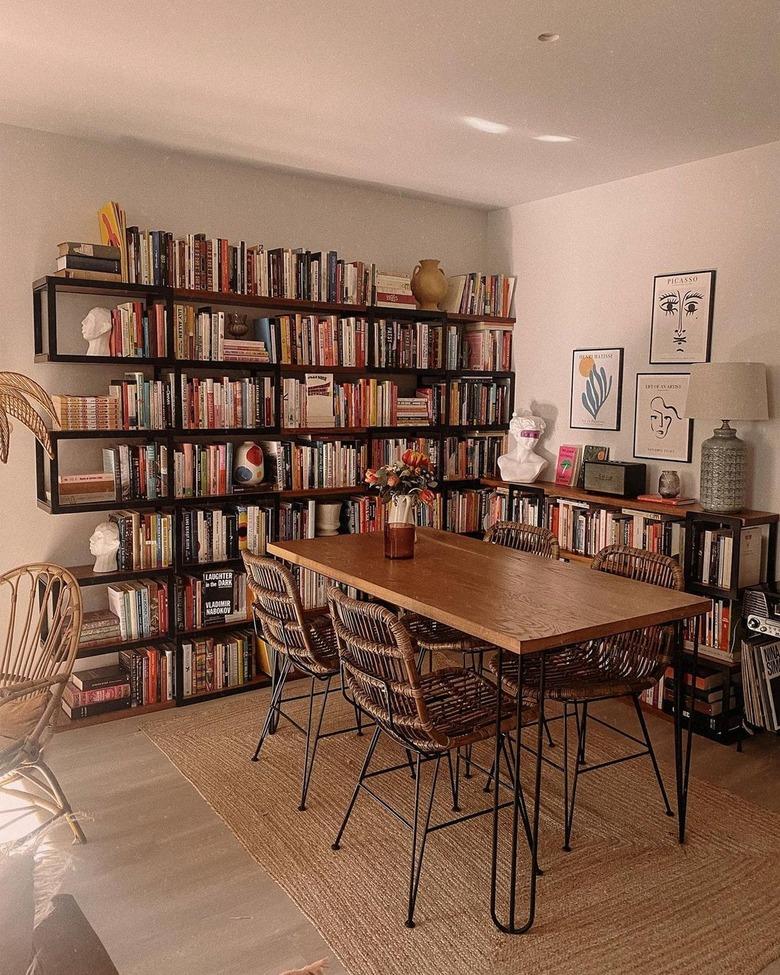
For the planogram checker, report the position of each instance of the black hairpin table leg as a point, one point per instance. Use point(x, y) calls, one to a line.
point(509, 924)
point(682, 752)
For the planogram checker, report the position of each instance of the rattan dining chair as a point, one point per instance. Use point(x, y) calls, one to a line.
point(618, 666)
point(532, 539)
point(433, 715)
point(297, 639)
point(40, 624)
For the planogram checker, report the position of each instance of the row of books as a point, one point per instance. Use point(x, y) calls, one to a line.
point(202, 334)
point(297, 519)
point(480, 294)
point(218, 534)
point(143, 676)
point(87, 412)
point(214, 597)
point(713, 557)
point(152, 674)
point(473, 457)
point(386, 450)
point(141, 608)
point(145, 539)
point(319, 402)
point(487, 347)
point(202, 469)
point(478, 402)
point(136, 471)
point(467, 510)
point(715, 631)
point(761, 682)
point(585, 529)
point(210, 403)
point(706, 689)
point(323, 340)
point(99, 627)
point(200, 263)
point(138, 330)
point(414, 345)
point(316, 464)
point(215, 663)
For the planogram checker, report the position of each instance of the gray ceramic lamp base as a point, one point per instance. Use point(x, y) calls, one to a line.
point(723, 471)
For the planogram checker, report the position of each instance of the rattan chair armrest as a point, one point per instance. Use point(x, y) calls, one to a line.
point(15, 691)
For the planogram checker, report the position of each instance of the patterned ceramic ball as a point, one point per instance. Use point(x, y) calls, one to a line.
point(248, 467)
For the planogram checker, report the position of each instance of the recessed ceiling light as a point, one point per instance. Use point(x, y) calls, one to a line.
point(554, 138)
point(549, 36)
point(485, 125)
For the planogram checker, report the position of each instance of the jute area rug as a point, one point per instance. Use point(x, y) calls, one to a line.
point(626, 899)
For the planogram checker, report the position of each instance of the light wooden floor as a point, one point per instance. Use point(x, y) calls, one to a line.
point(168, 888)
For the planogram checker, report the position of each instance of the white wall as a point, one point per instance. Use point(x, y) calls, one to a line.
point(585, 263)
point(50, 189)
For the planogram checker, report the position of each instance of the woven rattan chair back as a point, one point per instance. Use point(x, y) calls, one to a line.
point(646, 652)
point(524, 538)
point(276, 603)
point(379, 667)
point(40, 625)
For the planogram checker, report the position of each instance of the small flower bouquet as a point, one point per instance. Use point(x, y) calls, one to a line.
point(402, 485)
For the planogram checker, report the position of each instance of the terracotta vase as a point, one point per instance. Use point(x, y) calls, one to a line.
point(399, 528)
point(429, 285)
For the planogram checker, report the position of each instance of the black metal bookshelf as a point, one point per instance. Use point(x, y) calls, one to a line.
point(46, 292)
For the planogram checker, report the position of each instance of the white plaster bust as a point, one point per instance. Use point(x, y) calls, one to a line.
point(96, 329)
point(523, 464)
point(104, 544)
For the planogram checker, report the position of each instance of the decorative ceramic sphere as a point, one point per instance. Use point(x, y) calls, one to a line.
point(248, 466)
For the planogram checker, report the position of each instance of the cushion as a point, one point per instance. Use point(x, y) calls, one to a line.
point(19, 718)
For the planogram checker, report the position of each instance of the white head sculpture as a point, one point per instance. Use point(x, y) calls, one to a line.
point(96, 329)
point(523, 464)
point(104, 544)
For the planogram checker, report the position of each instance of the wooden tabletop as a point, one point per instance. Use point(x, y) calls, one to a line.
point(520, 602)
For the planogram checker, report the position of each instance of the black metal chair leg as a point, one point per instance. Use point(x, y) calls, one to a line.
point(410, 763)
point(454, 784)
point(569, 803)
point(308, 766)
point(359, 720)
point(550, 741)
point(336, 845)
point(272, 708)
point(583, 734)
point(417, 858)
point(651, 751)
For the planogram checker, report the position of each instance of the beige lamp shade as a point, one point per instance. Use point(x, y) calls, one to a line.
point(727, 391)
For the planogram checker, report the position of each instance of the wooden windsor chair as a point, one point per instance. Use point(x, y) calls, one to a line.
point(40, 624)
point(616, 666)
point(297, 639)
point(432, 715)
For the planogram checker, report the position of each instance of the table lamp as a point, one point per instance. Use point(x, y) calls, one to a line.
point(725, 391)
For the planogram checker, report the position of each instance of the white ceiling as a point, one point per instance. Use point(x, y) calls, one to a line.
point(377, 91)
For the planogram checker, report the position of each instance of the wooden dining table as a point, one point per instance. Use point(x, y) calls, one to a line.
point(522, 604)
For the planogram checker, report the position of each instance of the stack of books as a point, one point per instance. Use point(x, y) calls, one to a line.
point(143, 404)
point(86, 488)
point(411, 345)
point(412, 411)
point(319, 402)
point(99, 626)
point(297, 519)
point(393, 291)
point(487, 347)
point(145, 539)
point(87, 412)
point(95, 262)
point(480, 294)
point(477, 402)
point(96, 691)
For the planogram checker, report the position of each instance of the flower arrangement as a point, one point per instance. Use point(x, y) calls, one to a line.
point(411, 477)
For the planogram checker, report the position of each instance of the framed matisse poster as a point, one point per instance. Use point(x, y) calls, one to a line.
point(596, 389)
point(681, 329)
point(661, 430)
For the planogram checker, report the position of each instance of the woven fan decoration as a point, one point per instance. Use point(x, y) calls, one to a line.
point(16, 392)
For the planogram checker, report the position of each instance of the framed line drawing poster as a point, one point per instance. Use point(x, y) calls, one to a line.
point(681, 325)
point(661, 429)
point(596, 389)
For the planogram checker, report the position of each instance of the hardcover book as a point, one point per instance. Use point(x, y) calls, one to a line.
point(568, 464)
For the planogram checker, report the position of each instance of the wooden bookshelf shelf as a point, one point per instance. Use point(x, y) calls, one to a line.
point(262, 680)
point(70, 725)
point(86, 576)
point(113, 646)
